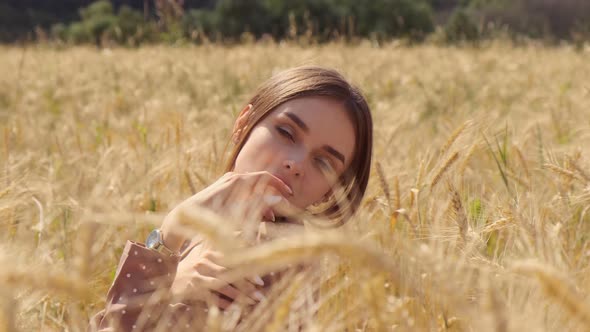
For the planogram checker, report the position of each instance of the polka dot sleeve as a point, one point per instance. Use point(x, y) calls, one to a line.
point(139, 290)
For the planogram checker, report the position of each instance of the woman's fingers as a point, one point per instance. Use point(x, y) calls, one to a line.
point(220, 289)
point(264, 179)
point(256, 280)
point(269, 215)
point(253, 193)
point(234, 294)
point(242, 291)
point(222, 303)
point(211, 273)
point(247, 195)
point(286, 209)
point(249, 289)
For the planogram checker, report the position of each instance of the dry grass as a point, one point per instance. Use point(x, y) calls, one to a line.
point(96, 146)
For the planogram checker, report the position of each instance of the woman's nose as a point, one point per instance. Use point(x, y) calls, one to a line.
point(293, 167)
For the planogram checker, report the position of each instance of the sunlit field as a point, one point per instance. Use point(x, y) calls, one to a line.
point(476, 218)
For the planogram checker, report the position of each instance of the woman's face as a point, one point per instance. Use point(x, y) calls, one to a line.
point(298, 141)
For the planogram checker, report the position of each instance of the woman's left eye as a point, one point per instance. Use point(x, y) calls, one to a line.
point(323, 164)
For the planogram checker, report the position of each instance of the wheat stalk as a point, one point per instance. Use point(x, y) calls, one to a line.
point(458, 213)
point(72, 139)
point(497, 307)
point(443, 169)
point(306, 247)
point(574, 164)
point(454, 135)
point(54, 282)
point(383, 183)
point(466, 160)
point(560, 170)
point(522, 161)
point(497, 225)
point(397, 196)
point(283, 308)
point(421, 170)
point(557, 288)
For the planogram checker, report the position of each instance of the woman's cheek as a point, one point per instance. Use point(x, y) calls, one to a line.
point(316, 188)
point(258, 152)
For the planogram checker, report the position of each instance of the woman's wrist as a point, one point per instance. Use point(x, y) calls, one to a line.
point(171, 239)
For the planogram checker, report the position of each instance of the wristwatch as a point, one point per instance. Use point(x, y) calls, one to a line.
point(154, 242)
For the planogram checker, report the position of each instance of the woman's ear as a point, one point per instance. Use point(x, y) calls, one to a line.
point(240, 124)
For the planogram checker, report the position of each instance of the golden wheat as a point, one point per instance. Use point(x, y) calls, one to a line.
point(98, 145)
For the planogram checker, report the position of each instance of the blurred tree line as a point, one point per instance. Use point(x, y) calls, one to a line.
point(133, 22)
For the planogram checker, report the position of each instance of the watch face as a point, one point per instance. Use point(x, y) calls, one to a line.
point(153, 240)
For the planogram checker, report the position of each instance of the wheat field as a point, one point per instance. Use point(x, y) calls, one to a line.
point(476, 217)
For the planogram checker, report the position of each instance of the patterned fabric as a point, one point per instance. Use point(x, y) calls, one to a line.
point(138, 299)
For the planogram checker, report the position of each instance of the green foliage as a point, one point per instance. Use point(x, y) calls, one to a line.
point(461, 27)
point(196, 20)
point(59, 31)
point(97, 26)
point(237, 16)
point(547, 19)
point(322, 20)
point(475, 210)
point(131, 27)
point(230, 19)
point(129, 21)
point(96, 9)
point(77, 32)
point(99, 22)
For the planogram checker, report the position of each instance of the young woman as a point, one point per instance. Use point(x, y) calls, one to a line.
point(302, 143)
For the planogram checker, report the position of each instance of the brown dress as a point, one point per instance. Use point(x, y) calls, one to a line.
point(138, 299)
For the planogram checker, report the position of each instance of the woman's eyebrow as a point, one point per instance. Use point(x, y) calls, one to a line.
point(305, 128)
point(298, 121)
point(334, 152)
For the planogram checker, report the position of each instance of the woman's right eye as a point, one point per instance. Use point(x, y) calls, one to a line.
point(285, 133)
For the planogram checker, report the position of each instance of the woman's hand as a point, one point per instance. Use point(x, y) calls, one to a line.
point(253, 195)
point(198, 278)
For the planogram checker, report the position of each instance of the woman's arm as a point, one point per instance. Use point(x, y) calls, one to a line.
point(143, 278)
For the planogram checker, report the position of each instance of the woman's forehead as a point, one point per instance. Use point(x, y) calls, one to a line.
point(314, 109)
